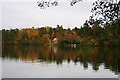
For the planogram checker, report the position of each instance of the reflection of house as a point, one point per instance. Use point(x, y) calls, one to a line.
point(55, 50)
point(54, 40)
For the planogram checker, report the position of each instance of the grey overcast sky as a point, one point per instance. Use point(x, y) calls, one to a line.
point(26, 14)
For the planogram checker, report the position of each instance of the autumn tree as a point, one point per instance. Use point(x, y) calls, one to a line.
point(50, 32)
point(45, 39)
point(5, 37)
point(42, 31)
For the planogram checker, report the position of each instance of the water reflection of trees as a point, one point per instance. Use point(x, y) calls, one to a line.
point(110, 57)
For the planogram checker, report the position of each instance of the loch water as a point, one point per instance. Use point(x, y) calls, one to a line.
point(58, 62)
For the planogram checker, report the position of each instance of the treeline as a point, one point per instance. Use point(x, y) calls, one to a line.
point(95, 35)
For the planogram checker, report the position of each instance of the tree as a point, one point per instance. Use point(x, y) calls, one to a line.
point(98, 31)
point(45, 39)
point(24, 36)
point(50, 32)
point(42, 31)
point(59, 37)
point(86, 30)
point(44, 4)
point(60, 29)
point(69, 35)
point(59, 33)
point(77, 30)
point(5, 36)
point(104, 11)
point(70, 38)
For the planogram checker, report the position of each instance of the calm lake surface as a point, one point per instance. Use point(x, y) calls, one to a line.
point(55, 62)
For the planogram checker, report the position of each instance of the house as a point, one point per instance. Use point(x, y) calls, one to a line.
point(55, 40)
